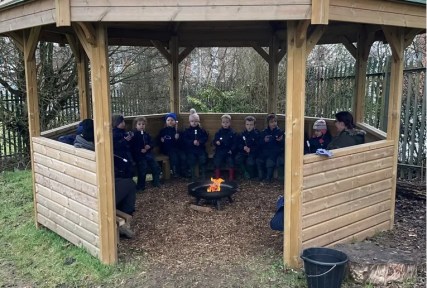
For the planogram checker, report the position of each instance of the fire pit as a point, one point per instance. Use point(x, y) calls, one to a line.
point(221, 189)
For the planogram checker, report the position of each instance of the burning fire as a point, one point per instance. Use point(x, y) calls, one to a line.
point(216, 185)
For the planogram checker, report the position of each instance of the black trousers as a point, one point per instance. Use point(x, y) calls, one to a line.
point(125, 195)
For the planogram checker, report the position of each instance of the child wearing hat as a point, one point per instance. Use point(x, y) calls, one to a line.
point(320, 139)
point(142, 145)
point(121, 148)
point(225, 146)
point(170, 144)
point(194, 139)
point(271, 146)
point(247, 148)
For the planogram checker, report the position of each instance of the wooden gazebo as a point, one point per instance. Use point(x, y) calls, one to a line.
point(346, 197)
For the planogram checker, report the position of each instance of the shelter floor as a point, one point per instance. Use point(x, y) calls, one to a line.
point(187, 248)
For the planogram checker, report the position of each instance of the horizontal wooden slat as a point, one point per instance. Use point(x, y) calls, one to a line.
point(364, 234)
point(345, 208)
point(179, 3)
point(28, 21)
point(65, 169)
point(347, 231)
point(382, 6)
point(344, 220)
point(68, 225)
point(81, 209)
point(349, 151)
point(345, 184)
point(84, 153)
point(344, 197)
point(335, 163)
point(191, 13)
point(65, 157)
point(66, 213)
point(61, 231)
point(374, 17)
point(65, 190)
point(346, 172)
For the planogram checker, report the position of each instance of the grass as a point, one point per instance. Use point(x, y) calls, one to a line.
point(39, 256)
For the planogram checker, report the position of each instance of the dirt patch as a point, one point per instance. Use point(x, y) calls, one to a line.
point(185, 248)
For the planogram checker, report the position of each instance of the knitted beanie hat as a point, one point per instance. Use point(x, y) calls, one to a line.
point(320, 125)
point(170, 115)
point(116, 120)
point(193, 115)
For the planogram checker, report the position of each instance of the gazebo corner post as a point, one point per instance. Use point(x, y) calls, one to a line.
point(364, 43)
point(395, 37)
point(94, 41)
point(29, 42)
point(174, 74)
point(295, 101)
point(82, 75)
point(273, 72)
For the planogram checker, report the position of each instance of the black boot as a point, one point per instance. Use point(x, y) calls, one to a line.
point(193, 174)
point(251, 171)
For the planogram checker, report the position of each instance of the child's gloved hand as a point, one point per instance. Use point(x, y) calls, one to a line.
point(324, 152)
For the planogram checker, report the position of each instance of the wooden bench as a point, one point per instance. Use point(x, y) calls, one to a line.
point(122, 218)
point(166, 167)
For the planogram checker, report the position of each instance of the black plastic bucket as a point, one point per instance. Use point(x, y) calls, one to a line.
point(324, 267)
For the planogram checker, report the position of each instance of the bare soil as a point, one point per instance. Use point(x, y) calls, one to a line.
point(228, 248)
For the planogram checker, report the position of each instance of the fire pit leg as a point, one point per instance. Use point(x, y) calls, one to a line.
point(230, 199)
point(218, 204)
point(198, 201)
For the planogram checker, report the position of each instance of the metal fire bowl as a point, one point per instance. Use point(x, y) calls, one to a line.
point(199, 190)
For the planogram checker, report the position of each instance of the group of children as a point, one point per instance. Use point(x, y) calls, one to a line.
point(256, 154)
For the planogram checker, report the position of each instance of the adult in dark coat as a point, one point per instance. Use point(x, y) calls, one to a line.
point(125, 189)
point(247, 148)
point(271, 145)
point(348, 135)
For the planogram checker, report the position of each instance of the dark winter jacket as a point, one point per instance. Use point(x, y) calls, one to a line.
point(347, 137)
point(190, 135)
point(169, 143)
point(81, 142)
point(251, 139)
point(318, 143)
point(122, 154)
point(227, 138)
point(273, 147)
point(138, 142)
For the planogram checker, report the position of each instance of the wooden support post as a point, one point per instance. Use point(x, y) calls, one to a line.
point(63, 13)
point(82, 75)
point(273, 71)
point(320, 12)
point(295, 101)
point(96, 47)
point(174, 75)
point(30, 40)
point(364, 43)
point(395, 38)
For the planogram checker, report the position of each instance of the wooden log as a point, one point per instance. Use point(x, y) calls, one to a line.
point(371, 263)
point(200, 208)
point(412, 189)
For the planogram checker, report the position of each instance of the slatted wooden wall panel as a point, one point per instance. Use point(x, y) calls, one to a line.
point(348, 196)
point(66, 192)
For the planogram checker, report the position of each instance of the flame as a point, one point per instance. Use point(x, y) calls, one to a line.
point(216, 185)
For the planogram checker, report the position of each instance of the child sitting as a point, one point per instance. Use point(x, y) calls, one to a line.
point(272, 144)
point(321, 137)
point(194, 139)
point(121, 149)
point(247, 148)
point(224, 142)
point(141, 150)
point(170, 142)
